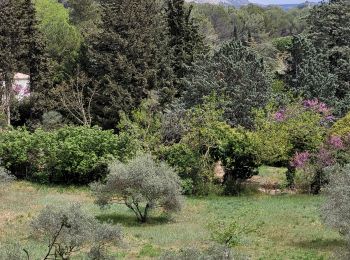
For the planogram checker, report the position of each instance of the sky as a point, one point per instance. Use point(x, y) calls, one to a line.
point(281, 1)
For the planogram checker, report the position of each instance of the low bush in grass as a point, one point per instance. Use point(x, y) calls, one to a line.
point(142, 184)
point(67, 231)
point(336, 209)
point(69, 155)
point(5, 178)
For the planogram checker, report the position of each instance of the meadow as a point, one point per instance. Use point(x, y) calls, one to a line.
point(285, 226)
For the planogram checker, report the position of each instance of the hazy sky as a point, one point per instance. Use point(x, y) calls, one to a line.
point(281, 1)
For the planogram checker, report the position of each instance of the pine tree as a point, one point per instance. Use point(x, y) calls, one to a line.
point(238, 76)
point(185, 40)
point(128, 56)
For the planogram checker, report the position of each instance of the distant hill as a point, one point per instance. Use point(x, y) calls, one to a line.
point(303, 5)
point(236, 3)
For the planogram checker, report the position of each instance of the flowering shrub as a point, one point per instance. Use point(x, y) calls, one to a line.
point(335, 150)
point(300, 159)
point(280, 133)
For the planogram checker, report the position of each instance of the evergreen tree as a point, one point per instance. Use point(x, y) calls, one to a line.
point(238, 75)
point(12, 50)
point(85, 14)
point(329, 31)
point(36, 57)
point(308, 72)
point(185, 40)
point(128, 56)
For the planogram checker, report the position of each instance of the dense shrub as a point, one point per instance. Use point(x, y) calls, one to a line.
point(281, 133)
point(311, 165)
point(67, 155)
point(239, 158)
point(282, 44)
point(342, 126)
point(142, 184)
point(336, 210)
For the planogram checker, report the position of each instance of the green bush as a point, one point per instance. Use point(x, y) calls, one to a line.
point(281, 133)
point(66, 231)
point(336, 209)
point(283, 43)
point(5, 179)
point(342, 126)
point(69, 155)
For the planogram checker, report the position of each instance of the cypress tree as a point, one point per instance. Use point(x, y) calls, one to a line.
point(12, 50)
point(186, 42)
point(128, 56)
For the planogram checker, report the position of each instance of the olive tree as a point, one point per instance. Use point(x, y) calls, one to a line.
point(69, 230)
point(5, 178)
point(142, 184)
point(336, 210)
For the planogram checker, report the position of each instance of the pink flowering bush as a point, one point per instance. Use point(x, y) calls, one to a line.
point(300, 159)
point(312, 165)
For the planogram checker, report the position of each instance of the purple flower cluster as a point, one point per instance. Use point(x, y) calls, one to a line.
point(280, 115)
point(318, 107)
point(336, 142)
point(325, 158)
point(300, 159)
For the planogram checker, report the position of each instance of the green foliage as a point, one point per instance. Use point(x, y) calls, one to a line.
point(142, 184)
point(329, 31)
point(298, 130)
point(283, 43)
point(85, 14)
point(238, 76)
point(143, 126)
point(229, 234)
point(128, 56)
point(239, 158)
point(185, 40)
point(342, 126)
point(52, 120)
point(68, 230)
point(193, 156)
point(309, 73)
point(62, 38)
point(336, 209)
point(68, 155)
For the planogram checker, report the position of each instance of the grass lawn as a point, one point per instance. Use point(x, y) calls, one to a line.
point(289, 225)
